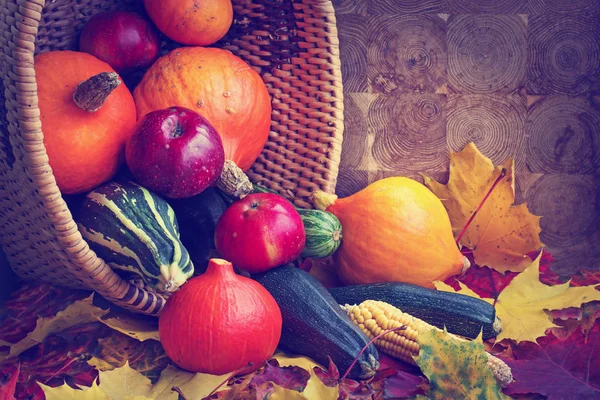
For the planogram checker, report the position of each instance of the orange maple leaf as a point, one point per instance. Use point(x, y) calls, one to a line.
point(500, 234)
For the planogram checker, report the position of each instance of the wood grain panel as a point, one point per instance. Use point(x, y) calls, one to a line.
point(406, 53)
point(349, 7)
point(487, 53)
point(563, 136)
point(355, 145)
point(582, 7)
point(409, 132)
point(351, 181)
point(494, 123)
point(385, 7)
point(487, 6)
point(564, 55)
point(352, 32)
point(569, 207)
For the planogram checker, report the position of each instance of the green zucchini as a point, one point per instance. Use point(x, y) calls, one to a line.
point(460, 314)
point(323, 230)
point(314, 325)
point(136, 231)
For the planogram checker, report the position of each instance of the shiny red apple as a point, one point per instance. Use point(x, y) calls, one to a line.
point(124, 40)
point(175, 152)
point(260, 232)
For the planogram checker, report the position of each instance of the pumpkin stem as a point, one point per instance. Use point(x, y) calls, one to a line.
point(323, 200)
point(92, 93)
point(233, 181)
point(220, 267)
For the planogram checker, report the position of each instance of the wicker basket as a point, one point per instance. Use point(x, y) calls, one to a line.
point(292, 43)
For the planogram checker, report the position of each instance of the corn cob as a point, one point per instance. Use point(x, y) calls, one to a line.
point(375, 317)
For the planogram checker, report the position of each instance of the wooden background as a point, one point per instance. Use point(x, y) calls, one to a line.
point(520, 78)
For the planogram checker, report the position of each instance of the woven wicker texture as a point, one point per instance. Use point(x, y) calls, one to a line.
point(519, 78)
point(293, 44)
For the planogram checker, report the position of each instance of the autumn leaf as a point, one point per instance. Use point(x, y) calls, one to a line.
point(116, 349)
point(125, 381)
point(291, 377)
point(137, 326)
point(558, 369)
point(315, 388)
point(348, 388)
point(66, 392)
point(396, 379)
point(501, 234)
point(521, 305)
point(8, 384)
point(80, 312)
point(484, 281)
point(571, 319)
point(31, 301)
point(456, 369)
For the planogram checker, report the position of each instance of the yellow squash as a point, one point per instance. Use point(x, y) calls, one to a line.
point(395, 230)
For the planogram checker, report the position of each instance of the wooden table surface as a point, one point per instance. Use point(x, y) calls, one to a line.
point(519, 78)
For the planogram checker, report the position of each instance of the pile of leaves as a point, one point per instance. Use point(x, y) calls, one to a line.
point(58, 343)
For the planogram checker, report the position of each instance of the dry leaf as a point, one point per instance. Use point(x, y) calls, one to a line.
point(80, 312)
point(456, 369)
point(315, 389)
point(65, 392)
point(500, 235)
point(137, 326)
point(521, 304)
point(192, 385)
point(125, 381)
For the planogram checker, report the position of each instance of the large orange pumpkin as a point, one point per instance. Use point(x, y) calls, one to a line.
point(218, 85)
point(85, 146)
point(192, 22)
point(395, 230)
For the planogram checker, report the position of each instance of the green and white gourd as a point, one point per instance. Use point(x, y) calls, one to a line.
point(135, 230)
point(323, 233)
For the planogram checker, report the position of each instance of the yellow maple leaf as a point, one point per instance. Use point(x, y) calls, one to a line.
point(521, 305)
point(80, 312)
point(456, 369)
point(65, 392)
point(500, 234)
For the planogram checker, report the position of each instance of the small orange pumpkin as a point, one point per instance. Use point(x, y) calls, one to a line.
point(222, 88)
point(194, 22)
point(395, 230)
point(87, 117)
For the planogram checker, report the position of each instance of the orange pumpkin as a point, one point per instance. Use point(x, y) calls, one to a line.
point(192, 22)
point(87, 117)
point(218, 85)
point(395, 230)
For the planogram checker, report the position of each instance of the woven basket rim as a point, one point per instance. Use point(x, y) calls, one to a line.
point(84, 263)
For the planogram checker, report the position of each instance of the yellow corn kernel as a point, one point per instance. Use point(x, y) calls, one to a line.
point(375, 317)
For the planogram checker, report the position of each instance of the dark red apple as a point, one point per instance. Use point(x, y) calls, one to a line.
point(260, 232)
point(175, 152)
point(124, 40)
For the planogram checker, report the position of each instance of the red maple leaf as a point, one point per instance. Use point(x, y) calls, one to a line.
point(292, 378)
point(8, 383)
point(558, 369)
point(348, 388)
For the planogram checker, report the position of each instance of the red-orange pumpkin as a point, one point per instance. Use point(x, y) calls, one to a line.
point(84, 136)
point(218, 85)
point(191, 21)
point(220, 322)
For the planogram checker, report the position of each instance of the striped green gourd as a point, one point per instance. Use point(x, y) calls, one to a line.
point(323, 230)
point(323, 233)
point(134, 230)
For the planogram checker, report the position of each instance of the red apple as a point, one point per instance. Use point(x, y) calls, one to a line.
point(175, 152)
point(124, 40)
point(260, 232)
